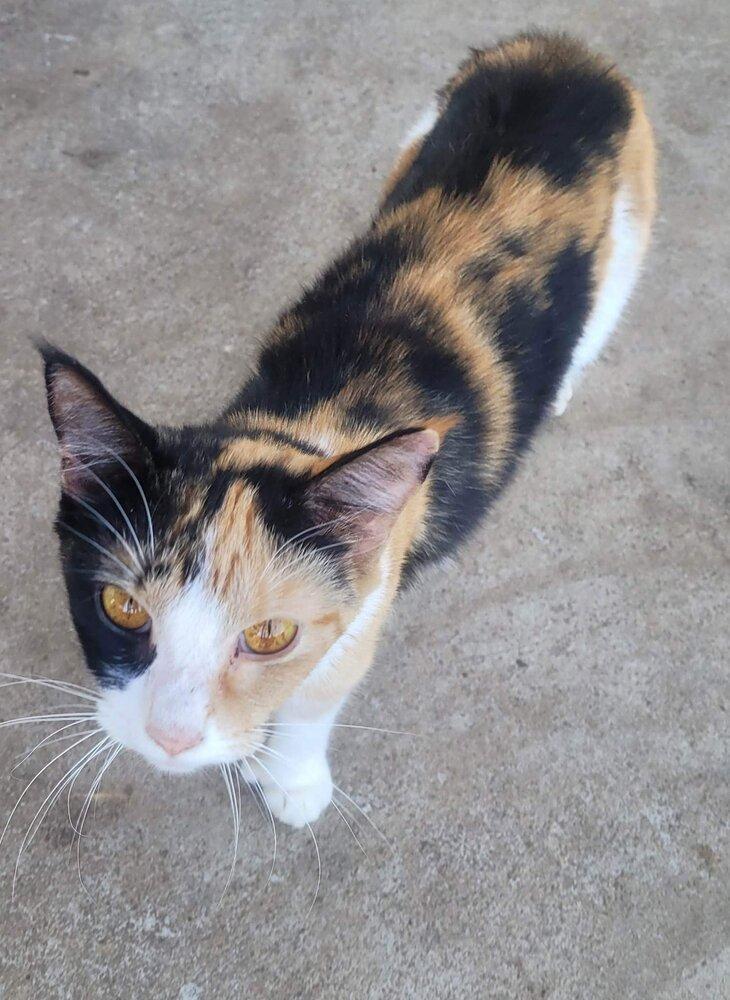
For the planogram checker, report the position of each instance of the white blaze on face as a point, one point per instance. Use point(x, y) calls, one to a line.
point(165, 713)
point(188, 640)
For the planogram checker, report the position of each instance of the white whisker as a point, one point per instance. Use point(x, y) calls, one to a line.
point(276, 754)
point(311, 833)
point(110, 493)
point(99, 548)
point(74, 770)
point(133, 477)
point(349, 812)
point(253, 786)
point(234, 802)
point(38, 774)
point(349, 827)
point(66, 687)
point(340, 725)
point(364, 815)
point(69, 707)
point(51, 738)
point(150, 528)
point(77, 827)
point(28, 719)
point(49, 801)
point(319, 870)
point(110, 527)
point(114, 752)
point(300, 536)
point(257, 784)
point(69, 790)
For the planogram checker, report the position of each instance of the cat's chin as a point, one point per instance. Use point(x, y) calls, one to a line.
point(174, 765)
point(197, 759)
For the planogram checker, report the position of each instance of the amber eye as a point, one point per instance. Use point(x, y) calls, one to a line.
point(121, 608)
point(270, 636)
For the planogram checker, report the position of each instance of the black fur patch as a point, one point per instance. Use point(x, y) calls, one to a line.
point(279, 437)
point(538, 342)
point(279, 499)
point(513, 245)
point(555, 114)
point(113, 656)
point(482, 269)
point(332, 344)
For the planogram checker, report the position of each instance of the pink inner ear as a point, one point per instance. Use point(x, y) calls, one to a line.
point(90, 434)
point(368, 492)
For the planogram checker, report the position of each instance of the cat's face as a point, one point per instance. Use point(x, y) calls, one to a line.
point(213, 575)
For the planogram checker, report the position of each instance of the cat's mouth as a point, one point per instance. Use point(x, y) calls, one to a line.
point(207, 754)
point(184, 763)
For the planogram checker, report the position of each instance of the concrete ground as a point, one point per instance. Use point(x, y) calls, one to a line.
point(171, 174)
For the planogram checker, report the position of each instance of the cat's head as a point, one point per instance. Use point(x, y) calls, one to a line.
point(214, 574)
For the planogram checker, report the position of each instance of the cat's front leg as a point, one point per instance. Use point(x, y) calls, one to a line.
point(292, 770)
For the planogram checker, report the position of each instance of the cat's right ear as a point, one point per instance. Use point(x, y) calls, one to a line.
point(96, 434)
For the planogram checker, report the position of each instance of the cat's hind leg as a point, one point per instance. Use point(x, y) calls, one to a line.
point(620, 277)
point(422, 127)
point(410, 147)
point(627, 239)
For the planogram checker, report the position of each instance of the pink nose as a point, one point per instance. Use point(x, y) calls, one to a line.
point(173, 741)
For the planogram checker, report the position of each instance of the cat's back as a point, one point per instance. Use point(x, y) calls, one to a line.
point(513, 223)
point(537, 102)
point(506, 244)
point(523, 190)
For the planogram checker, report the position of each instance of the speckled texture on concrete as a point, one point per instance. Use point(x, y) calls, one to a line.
point(170, 174)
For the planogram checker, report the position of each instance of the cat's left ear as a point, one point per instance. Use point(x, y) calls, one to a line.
point(360, 496)
point(96, 434)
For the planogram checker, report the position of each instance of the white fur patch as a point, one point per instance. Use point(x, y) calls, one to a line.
point(623, 270)
point(370, 607)
point(423, 126)
point(172, 695)
point(189, 653)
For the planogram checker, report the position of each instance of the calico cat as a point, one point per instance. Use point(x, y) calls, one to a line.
point(228, 581)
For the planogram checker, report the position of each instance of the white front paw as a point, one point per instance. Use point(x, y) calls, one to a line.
point(300, 797)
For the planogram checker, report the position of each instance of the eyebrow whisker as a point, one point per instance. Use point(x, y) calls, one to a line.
point(100, 548)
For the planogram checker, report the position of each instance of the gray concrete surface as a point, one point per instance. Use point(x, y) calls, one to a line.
point(171, 173)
